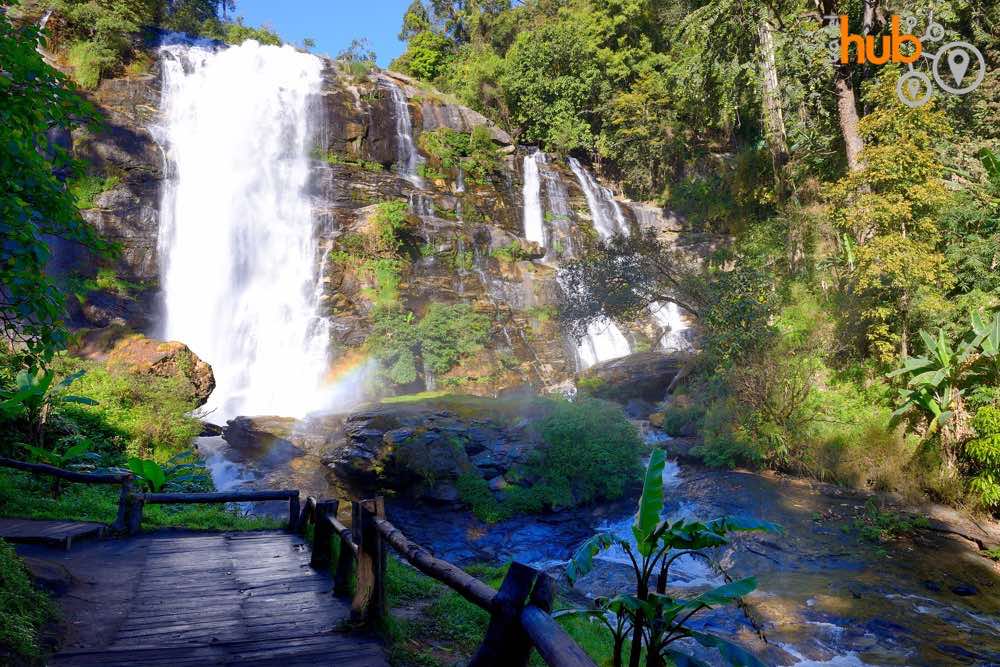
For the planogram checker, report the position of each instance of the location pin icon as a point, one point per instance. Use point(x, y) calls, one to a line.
point(958, 63)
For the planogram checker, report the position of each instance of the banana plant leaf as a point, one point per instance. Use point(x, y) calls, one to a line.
point(583, 560)
point(733, 654)
point(647, 518)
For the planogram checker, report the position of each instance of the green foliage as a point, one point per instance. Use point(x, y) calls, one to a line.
point(34, 397)
point(653, 619)
point(179, 469)
point(442, 338)
point(25, 610)
point(983, 453)
point(34, 204)
point(86, 188)
point(877, 526)
point(89, 61)
point(141, 415)
point(591, 451)
point(425, 56)
point(510, 253)
point(449, 333)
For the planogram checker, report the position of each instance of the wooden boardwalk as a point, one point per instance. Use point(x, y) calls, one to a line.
point(231, 599)
point(52, 533)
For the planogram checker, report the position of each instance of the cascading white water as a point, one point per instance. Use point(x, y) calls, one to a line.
point(534, 219)
point(236, 240)
point(604, 340)
point(408, 160)
point(673, 325)
point(605, 211)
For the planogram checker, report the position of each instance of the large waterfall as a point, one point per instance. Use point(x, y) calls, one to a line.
point(534, 219)
point(237, 242)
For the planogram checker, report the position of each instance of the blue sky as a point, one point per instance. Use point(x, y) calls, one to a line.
point(332, 23)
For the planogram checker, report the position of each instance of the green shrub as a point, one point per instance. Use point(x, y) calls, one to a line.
point(392, 341)
point(591, 452)
point(510, 253)
point(983, 452)
point(86, 188)
point(140, 415)
point(25, 610)
point(449, 333)
point(89, 61)
point(677, 418)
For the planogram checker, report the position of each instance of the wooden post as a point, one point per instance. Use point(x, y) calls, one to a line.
point(506, 644)
point(544, 593)
point(308, 514)
point(345, 565)
point(322, 553)
point(133, 511)
point(368, 606)
point(293, 512)
point(121, 520)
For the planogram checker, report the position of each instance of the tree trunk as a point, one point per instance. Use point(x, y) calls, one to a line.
point(774, 120)
point(847, 113)
point(847, 110)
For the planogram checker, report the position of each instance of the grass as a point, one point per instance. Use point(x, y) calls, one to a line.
point(24, 496)
point(876, 526)
point(25, 611)
point(416, 398)
point(433, 626)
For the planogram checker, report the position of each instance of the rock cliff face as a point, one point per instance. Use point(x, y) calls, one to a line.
point(457, 226)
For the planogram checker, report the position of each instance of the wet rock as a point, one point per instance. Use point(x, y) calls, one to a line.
point(421, 450)
point(965, 590)
point(263, 441)
point(125, 350)
point(644, 375)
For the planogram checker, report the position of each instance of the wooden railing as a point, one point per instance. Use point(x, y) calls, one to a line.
point(520, 618)
point(519, 611)
point(131, 501)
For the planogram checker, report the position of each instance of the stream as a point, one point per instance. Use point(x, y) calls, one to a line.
point(824, 596)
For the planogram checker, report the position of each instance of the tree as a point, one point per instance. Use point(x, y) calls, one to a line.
point(36, 103)
point(889, 209)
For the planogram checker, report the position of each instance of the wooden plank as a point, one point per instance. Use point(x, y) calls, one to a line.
point(58, 533)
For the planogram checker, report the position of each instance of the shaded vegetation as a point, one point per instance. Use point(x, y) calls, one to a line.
point(25, 611)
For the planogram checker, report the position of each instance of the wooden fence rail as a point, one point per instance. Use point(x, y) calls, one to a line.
point(519, 612)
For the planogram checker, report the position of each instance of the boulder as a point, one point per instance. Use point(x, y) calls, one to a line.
point(122, 349)
point(421, 450)
point(644, 375)
point(264, 441)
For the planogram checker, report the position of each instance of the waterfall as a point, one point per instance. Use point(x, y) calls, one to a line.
point(534, 219)
point(604, 210)
point(604, 340)
point(668, 317)
point(408, 160)
point(236, 241)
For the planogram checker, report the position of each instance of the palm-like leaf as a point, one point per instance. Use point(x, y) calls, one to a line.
point(583, 560)
point(647, 518)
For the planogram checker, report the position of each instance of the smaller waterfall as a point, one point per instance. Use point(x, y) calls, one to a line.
point(668, 317)
point(605, 211)
point(408, 160)
point(560, 245)
point(604, 341)
point(534, 221)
